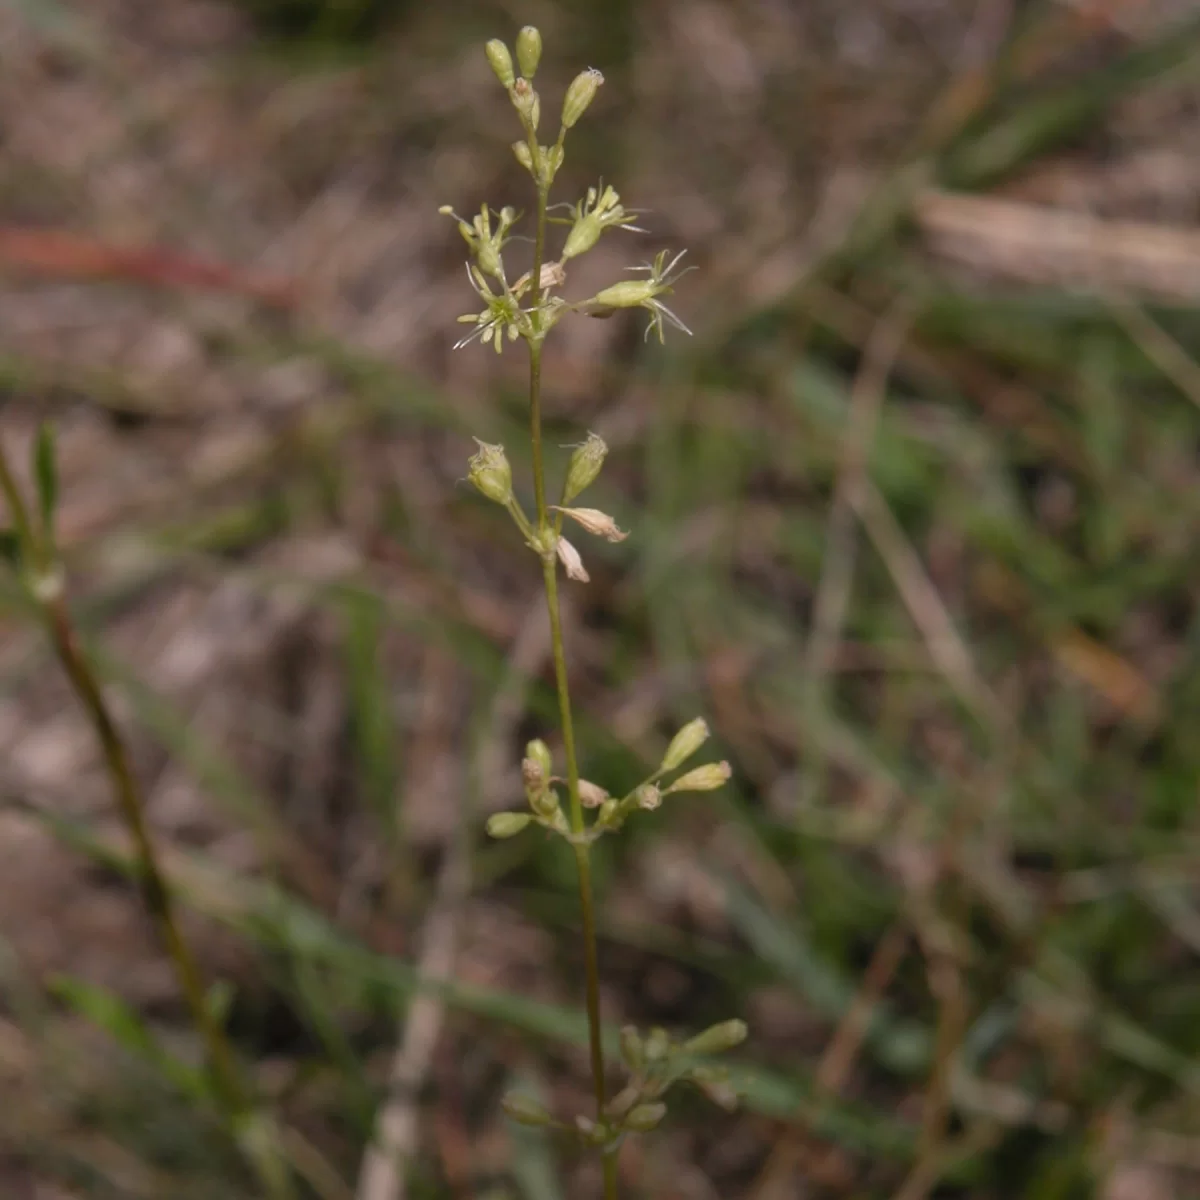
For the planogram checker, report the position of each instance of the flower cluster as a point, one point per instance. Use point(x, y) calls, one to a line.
point(503, 318)
point(545, 803)
point(655, 1063)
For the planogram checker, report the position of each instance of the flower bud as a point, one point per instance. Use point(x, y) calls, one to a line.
point(623, 1101)
point(553, 157)
point(595, 521)
point(507, 824)
point(629, 293)
point(684, 744)
point(717, 1038)
point(501, 61)
point(648, 797)
point(544, 802)
point(571, 561)
point(538, 752)
point(631, 1048)
point(490, 472)
point(645, 1117)
point(529, 50)
point(524, 155)
point(657, 1044)
point(532, 776)
point(589, 1130)
point(608, 811)
point(579, 95)
point(526, 101)
point(706, 1073)
point(584, 466)
point(591, 795)
point(525, 1110)
point(703, 779)
point(583, 236)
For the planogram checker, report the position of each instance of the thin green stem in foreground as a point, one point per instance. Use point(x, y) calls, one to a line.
point(47, 591)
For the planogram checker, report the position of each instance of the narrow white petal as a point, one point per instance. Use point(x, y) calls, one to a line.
point(570, 559)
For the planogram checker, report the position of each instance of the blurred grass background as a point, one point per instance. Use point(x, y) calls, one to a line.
point(915, 523)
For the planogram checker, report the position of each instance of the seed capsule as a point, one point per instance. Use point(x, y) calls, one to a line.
point(579, 95)
point(584, 466)
point(490, 472)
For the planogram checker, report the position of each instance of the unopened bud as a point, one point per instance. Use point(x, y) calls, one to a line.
point(544, 802)
point(584, 466)
point(648, 797)
point(591, 795)
point(631, 1048)
point(645, 1117)
point(684, 744)
point(579, 95)
point(524, 155)
point(571, 561)
point(532, 775)
point(623, 1101)
point(525, 1110)
point(703, 779)
point(506, 824)
point(490, 472)
point(501, 62)
point(595, 521)
point(629, 293)
point(526, 101)
point(717, 1038)
point(553, 157)
point(539, 752)
point(608, 811)
point(529, 50)
point(657, 1044)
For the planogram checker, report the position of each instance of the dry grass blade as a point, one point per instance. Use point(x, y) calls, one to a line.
point(1038, 244)
point(833, 592)
point(1158, 345)
point(866, 400)
point(945, 644)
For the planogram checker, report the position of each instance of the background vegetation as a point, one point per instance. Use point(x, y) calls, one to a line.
point(917, 521)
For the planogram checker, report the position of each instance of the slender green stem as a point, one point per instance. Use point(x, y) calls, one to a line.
point(550, 578)
point(610, 1176)
point(535, 363)
point(156, 895)
point(30, 552)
